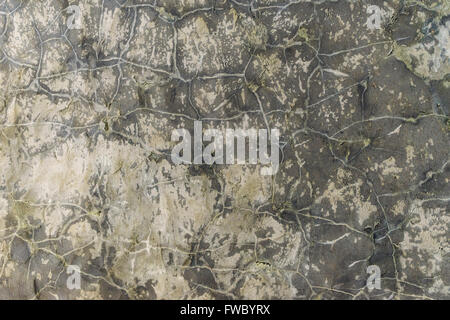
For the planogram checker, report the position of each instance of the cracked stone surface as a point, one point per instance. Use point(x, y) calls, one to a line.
point(86, 176)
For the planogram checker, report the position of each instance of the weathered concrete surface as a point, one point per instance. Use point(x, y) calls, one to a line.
point(86, 176)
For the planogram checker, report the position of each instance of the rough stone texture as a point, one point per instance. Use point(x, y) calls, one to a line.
point(86, 176)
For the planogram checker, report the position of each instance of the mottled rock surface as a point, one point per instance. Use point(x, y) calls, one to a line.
point(87, 179)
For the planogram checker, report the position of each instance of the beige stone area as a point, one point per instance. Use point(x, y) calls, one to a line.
point(89, 99)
